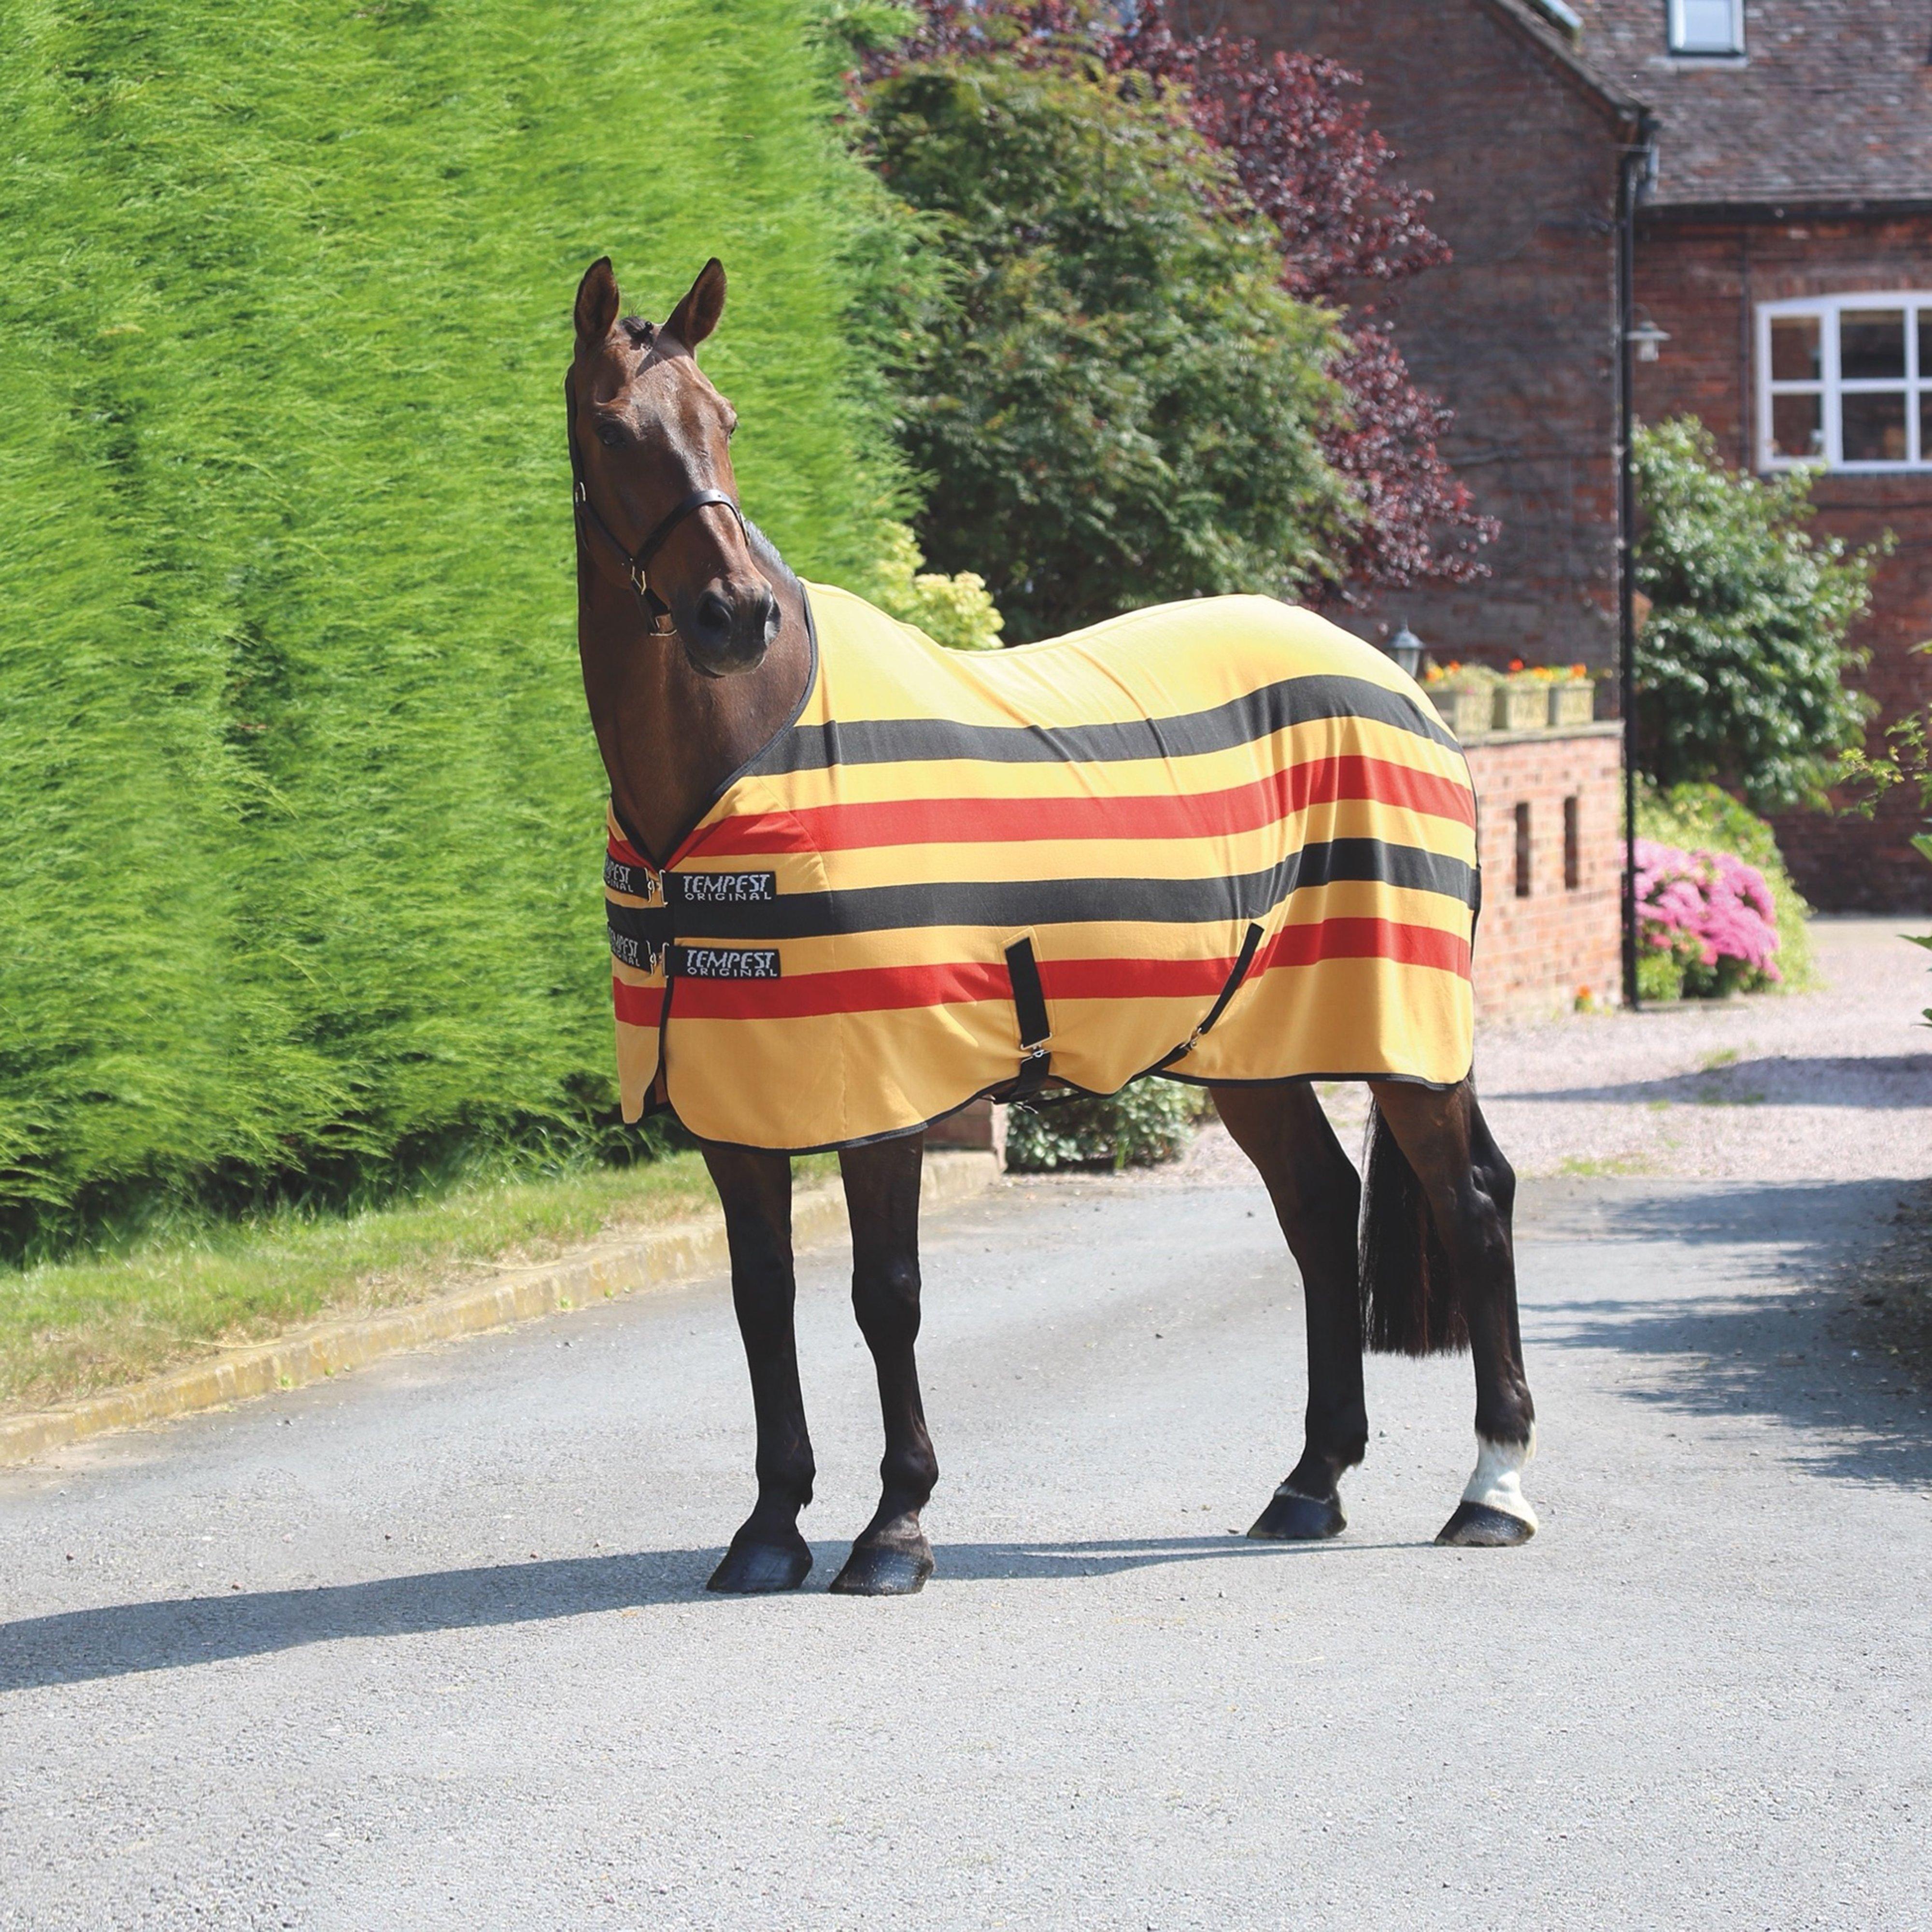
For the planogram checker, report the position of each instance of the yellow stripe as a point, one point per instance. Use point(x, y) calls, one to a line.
point(1223, 770)
point(1228, 855)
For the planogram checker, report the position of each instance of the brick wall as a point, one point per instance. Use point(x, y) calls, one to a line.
point(1700, 279)
point(1537, 950)
point(1516, 334)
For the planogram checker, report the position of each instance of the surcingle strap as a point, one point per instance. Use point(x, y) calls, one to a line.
point(1035, 1029)
point(1250, 945)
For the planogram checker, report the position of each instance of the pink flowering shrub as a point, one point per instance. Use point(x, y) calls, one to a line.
point(1706, 925)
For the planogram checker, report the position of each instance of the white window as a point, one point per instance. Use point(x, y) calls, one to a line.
point(1707, 26)
point(1846, 381)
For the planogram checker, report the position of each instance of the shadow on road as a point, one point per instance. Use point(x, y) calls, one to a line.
point(1763, 1327)
point(123, 1639)
point(1778, 1080)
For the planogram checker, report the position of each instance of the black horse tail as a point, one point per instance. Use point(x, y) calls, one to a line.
point(1410, 1306)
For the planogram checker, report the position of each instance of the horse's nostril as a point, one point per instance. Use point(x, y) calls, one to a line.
point(770, 616)
point(714, 615)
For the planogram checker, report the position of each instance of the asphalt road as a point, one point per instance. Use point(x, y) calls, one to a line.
point(428, 1647)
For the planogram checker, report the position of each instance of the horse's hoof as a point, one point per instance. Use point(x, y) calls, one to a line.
point(885, 1569)
point(761, 1569)
point(1292, 1517)
point(1477, 1526)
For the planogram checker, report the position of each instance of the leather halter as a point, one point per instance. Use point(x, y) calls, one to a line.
point(657, 612)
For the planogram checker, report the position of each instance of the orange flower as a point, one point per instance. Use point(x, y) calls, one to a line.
point(1516, 664)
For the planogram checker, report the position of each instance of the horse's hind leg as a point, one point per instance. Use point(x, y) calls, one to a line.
point(891, 1557)
point(1471, 1192)
point(1316, 1196)
point(768, 1553)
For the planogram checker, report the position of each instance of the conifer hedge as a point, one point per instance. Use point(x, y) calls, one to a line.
point(299, 808)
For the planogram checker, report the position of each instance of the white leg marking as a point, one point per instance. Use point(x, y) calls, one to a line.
point(1498, 1482)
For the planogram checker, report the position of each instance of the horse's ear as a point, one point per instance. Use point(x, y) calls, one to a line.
point(697, 316)
point(596, 302)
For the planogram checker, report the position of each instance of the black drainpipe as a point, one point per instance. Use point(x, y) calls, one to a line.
point(1636, 169)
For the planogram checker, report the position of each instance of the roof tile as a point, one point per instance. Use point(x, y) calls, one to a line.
point(1831, 102)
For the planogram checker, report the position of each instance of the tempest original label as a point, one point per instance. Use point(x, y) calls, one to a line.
point(699, 889)
point(619, 878)
point(728, 962)
point(634, 952)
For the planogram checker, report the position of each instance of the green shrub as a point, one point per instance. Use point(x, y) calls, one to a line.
point(1742, 662)
point(297, 863)
point(956, 611)
point(1148, 1122)
point(1113, 400)
point(1704, 818)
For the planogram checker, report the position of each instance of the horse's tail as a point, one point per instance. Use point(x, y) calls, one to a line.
point(1409, 1303)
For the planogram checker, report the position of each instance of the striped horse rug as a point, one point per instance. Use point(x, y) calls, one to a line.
point(1221, 840)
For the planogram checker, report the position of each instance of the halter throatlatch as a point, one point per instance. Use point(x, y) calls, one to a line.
point(657, 612)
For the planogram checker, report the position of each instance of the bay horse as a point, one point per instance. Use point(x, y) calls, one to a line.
point(699, 652)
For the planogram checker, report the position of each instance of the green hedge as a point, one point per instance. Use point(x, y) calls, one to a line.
point(302, 810)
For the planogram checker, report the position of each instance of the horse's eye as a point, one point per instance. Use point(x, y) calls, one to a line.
point(611, 435)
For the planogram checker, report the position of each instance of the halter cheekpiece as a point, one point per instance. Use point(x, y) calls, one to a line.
point(657, 612)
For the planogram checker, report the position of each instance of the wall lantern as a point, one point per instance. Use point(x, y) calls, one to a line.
point(1406, 648)
point(1647, 338)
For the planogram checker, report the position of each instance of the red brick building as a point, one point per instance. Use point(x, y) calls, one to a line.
point(1782, 245)
point(1786, 253)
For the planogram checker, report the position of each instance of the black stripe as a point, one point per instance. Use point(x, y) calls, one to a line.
point(1295, 701)
point(1046, 902)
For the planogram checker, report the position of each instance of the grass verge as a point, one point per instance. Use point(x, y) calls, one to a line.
point(70, 1327)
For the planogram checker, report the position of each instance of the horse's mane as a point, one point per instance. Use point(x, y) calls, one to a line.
point(766, 552)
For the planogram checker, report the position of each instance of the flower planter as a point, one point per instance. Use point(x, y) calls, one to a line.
point(1574, 702)
point(1522, 707)
point(1467, 713)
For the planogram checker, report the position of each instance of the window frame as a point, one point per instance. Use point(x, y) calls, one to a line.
point(1830, 387)
point(1675, 32)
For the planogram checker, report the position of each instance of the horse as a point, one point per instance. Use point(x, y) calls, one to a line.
point(698, 651)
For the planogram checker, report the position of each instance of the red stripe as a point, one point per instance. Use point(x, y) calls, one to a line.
point(956, 821)
point(895, 989)
point(637, 1005)
point(865, 989)
point(1368, 939)
point(626, 854)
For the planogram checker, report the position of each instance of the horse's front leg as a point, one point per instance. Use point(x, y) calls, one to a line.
point(1470, 1191)
point(891, 1557)
point(768, 1553)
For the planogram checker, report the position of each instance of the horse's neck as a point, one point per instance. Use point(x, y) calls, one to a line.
point(670, 736)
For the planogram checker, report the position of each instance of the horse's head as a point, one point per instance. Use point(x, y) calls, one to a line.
point(651, 447)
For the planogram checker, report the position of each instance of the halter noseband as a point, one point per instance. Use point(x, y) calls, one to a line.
point(657, 612)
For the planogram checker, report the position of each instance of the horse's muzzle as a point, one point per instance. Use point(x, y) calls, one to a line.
point(729, 626)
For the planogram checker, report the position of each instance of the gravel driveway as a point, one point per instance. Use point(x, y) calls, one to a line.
point(429, 1646)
